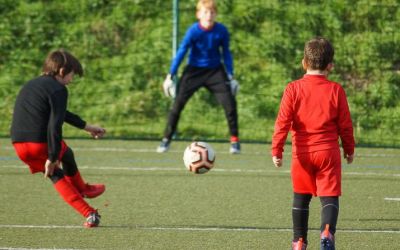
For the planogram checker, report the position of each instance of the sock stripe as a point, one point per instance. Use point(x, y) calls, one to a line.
point(299, 209)
point(331, 204)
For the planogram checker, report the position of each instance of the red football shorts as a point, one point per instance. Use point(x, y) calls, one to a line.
point(318, 173)
point(35, 154)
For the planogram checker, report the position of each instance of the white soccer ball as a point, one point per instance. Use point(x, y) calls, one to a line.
point(199, 157)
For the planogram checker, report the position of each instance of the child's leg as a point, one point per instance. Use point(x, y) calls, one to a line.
point(228, 102)
point(300, 212)
point(73, 176)
point(328, 181)
point(70, 194)
point(71, 170)
point(329, 212)
point(192, 79)
point(218, 84)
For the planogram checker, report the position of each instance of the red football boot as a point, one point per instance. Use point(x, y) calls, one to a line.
point(92, 191)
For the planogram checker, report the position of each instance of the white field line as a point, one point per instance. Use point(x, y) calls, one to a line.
point(182, 169)
point(152, 150)
point(391, 199)
point(19, 248)
point(209, 229)
point(137, 150)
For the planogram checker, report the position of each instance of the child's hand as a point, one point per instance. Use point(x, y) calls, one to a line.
point(277, 162)
point(234, 85)
point(49, 168)
point(169, 86)
point(95, 131)
point(349, 158)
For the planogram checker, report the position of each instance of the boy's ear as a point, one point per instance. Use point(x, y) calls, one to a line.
point(62, 72)
point(329, 68)
point(303, 62)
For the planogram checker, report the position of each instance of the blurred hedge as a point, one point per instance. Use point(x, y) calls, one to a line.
point(125, 47)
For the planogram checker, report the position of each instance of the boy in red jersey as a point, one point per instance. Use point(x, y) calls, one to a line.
point(36, 132)
point(317, 113)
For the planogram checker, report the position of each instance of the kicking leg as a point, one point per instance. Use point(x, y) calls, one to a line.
point(73, 175)
point(70, 195)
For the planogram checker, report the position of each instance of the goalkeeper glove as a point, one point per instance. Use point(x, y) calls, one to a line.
point(234, 85)
point(169, 87)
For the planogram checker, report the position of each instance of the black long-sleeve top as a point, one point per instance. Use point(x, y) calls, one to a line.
point(39, 113)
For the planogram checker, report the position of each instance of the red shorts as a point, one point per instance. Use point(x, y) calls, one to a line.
point(35, 154)
point(318, 173)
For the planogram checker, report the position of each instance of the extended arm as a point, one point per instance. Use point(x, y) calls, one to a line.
point(76, 121)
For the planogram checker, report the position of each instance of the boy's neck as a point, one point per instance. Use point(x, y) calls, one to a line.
point(317, 72)
point(206, 26)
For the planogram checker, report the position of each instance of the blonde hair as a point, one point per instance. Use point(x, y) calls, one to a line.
point(208, 4)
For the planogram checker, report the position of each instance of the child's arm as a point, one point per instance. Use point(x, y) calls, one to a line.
point(226, 52)
point(282, 125)
point(180, 54)
point(345, 127)
point(74, 120)
point(168, 84)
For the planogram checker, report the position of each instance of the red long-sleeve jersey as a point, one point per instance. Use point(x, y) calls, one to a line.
point(317, 113)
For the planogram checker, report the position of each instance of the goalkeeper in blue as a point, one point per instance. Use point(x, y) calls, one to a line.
point(205, 39)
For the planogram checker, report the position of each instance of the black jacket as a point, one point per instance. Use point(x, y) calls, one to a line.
point(39, 113)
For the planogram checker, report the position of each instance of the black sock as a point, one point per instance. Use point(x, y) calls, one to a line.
point(329, 212)
point(301, 203)
point(68, 163)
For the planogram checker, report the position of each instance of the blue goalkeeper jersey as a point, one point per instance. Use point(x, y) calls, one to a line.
point(205, 48)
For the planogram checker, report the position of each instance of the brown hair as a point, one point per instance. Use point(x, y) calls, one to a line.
point(318, 53)
point(61, 59)
point(208, 4)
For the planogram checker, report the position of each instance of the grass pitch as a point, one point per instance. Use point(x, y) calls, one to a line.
point(152, 202)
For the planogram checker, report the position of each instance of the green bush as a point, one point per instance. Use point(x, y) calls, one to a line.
point(125, 48)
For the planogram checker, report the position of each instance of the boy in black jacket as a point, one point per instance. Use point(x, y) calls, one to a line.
point(36, 132)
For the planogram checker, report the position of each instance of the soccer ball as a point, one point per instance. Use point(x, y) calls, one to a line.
point(199, 157)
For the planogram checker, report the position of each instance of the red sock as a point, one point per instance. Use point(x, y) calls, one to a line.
point(73, 197)
point(234, 138)
point(77, 181)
